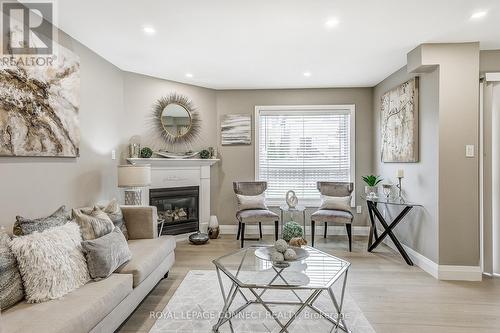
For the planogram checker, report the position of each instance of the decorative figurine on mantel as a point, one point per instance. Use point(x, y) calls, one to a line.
point(291, 199)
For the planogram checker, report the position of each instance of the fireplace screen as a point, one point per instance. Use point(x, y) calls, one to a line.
point(178, 207)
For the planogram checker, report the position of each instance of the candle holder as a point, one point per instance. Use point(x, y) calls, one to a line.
point(400, 188)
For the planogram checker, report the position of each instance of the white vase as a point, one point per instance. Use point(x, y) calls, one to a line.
point(213, 222)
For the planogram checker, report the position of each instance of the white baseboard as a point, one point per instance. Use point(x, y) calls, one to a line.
point(253, 229)
point(440, 272)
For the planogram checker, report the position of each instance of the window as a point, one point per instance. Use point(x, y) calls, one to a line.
point(296, 146)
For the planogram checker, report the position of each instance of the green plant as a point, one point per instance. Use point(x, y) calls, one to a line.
point(204, 154)
point(291, 230)
point(146, 152)
point(372, 180)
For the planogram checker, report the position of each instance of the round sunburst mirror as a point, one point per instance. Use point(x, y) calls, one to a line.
point(175, 119)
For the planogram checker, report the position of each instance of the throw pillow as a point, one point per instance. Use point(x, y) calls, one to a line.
point(251, 201)
point(51, 262)
point(93, 224)
point(24, 226)
point(105, 254)
point(337, 203)
point(115, 214)
point(11, 285)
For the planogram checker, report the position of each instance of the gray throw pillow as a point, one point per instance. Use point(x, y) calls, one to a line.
point(11, 285)
point(251, 201)
point(105, 254)
point(24, 226)
point(115, 214)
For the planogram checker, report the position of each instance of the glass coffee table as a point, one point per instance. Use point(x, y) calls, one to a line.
point(253, 279)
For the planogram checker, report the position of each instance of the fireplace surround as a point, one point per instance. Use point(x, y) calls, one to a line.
point(169, 173)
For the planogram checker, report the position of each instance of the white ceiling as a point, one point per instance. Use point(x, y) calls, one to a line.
point(230, 44)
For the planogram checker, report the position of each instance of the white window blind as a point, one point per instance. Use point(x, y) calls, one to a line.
point(302, 145)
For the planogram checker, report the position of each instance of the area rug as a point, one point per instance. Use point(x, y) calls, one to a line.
point(196, 304)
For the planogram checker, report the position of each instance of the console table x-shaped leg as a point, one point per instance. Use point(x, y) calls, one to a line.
point(375, 214)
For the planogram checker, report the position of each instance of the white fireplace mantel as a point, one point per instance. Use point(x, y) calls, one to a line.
point(169, 172)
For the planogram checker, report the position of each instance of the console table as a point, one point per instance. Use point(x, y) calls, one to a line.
point(374, 239)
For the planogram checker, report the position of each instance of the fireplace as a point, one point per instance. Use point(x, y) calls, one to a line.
point(178, 206)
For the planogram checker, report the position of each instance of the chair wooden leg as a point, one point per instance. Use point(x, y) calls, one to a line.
point(239, 230)
point(242, 236)
point(313, 226)
point(349, 232)
point(326, 228)
point(276, 229)
point(260, 230)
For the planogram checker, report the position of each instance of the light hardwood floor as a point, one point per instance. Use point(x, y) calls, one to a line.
point(394, 297)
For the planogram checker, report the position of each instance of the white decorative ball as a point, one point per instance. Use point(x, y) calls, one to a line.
point(290, 254)
point(281, 245)
point(277, 257)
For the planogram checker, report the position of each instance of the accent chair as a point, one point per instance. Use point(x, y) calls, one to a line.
point(333, 189)
point(253, 215)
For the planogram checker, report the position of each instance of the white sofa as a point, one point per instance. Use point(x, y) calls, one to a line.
point(104, 305)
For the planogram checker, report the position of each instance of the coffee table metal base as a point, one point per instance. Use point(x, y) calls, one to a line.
point(229, 296)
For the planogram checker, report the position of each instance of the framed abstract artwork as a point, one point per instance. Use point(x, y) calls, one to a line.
point(39, 107)
point(236, 129)
point(399, 123)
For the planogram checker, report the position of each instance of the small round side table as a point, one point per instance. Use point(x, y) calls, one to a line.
point(297, 209)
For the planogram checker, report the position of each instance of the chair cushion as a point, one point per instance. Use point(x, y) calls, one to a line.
point(256, 215)
point(147, 254)
point(78, 311)
point(332, 215)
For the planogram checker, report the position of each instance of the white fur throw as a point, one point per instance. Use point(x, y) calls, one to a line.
point(51, 262)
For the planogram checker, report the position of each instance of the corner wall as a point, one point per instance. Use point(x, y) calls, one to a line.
point(420, 229)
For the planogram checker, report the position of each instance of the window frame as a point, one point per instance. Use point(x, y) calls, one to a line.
point(288, 109)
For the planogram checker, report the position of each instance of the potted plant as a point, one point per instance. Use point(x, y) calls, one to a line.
point(371, 185)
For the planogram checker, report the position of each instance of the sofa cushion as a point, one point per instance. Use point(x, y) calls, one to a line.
point(105, 254)
point(147, 254)
point(26, 226)
point(76, 312)
point(93, 224)
point(51, 262)
point(11, 285)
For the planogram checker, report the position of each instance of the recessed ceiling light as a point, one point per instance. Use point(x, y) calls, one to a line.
point(307, 74)
point(149, 30)
point(478, 15)
point(332, 23)
point(189, 75)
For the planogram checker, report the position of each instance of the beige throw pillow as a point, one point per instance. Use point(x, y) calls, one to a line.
point(93, 224)
point(51, 262)
point(115, 214)
point(337, 203)
point(251, 201)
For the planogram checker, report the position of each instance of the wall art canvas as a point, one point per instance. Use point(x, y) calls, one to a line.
point(399, 123)
point(39, 107)
point(236, 129)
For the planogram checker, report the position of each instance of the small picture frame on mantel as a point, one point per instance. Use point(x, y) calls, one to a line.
point(236, 129)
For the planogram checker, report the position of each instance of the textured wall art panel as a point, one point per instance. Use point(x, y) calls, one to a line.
point(236, 129)
point(399, 123)
point(39, 107)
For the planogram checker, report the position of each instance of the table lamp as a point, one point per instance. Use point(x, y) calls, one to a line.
point(133, 178)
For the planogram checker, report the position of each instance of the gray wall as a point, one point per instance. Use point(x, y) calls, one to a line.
point(420, 229)
point(238, 162)
point(34, 187)
point(489, 61)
